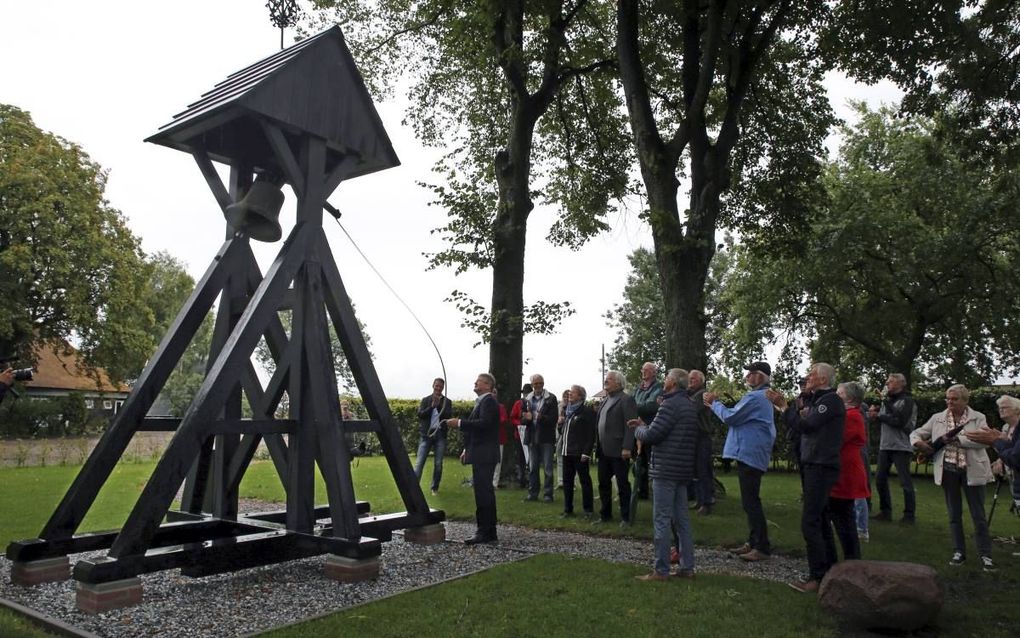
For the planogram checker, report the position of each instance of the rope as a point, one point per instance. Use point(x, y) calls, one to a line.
point(336, 215)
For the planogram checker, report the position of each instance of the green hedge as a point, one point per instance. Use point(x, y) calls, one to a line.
point(66, 416)
point(405, 413)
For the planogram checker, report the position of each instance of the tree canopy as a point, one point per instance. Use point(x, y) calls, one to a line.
point(69, 266)
point(520, 95)
point(908, 265)
point(727, 97)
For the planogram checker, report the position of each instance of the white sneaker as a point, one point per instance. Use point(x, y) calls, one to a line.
point(957, 559)
point(987, 564)
point(863, 536)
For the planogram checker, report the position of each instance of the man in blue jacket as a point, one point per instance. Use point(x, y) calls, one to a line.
point(749, 441)
point(673, 435)
point(481, 451)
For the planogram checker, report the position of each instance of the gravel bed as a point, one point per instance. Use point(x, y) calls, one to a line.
point(261, 598)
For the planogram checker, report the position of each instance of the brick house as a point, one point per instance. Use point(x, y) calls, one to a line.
point(59, 372)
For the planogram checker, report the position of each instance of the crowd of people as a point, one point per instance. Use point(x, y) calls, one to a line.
point(662, 434)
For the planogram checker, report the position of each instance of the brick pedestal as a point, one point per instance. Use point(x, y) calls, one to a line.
point(100, 597)
point(351, 570)
point(47, 570)
point(426, 534)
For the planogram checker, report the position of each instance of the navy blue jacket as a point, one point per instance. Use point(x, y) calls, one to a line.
point(673, 435)
point(481, 431)
point(821, 430)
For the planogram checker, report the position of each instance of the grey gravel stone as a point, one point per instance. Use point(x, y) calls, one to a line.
point(258, 599)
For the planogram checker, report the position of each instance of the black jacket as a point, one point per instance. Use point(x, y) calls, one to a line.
point(481, 432)
point(425, 416)
point(543, 424)
point(673, 435)
point(821, 430)
point(579, 432)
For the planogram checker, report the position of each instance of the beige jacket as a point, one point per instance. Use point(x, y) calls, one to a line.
point(979, 468)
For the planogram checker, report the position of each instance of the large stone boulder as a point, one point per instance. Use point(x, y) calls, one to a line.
point(875, 594)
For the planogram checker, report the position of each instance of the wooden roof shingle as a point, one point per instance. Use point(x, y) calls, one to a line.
point(310, 88)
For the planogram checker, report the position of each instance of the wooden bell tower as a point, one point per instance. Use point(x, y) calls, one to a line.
point(304, 116)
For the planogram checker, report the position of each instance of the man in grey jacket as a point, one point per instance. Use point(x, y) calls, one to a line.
point(898, 416)
point(673, 434)
point(615, 445)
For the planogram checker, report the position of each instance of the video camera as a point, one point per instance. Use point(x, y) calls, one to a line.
point(23, 374)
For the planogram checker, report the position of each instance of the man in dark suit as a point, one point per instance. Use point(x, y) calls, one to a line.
point(481, 451)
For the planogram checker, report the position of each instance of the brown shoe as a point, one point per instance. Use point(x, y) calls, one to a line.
point(754, 556)
point(741, 549)
point(683, 573)
point(805, 586)
point(653, 577)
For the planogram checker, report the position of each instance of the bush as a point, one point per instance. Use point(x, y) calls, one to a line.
point(49, 418)
point(405, 414)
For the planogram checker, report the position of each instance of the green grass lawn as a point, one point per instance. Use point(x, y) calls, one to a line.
point(555, 595)
point(978, 602)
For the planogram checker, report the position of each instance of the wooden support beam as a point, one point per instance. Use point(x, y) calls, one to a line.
point(83, 491)
point(360, 360)
point(212, 178)
point(285, 155)
point(187, 442)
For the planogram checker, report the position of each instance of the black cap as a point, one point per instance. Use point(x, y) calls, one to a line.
point(526, 389)
point(760, 366)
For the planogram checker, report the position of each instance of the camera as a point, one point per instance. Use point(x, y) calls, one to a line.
point(24, 374)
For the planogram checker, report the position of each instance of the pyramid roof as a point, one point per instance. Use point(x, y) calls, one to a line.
point(310, 88)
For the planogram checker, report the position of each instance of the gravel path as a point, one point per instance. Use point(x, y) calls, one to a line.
point(261, 598)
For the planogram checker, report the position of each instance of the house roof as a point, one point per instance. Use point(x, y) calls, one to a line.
point(310, 88)
point(58, 367)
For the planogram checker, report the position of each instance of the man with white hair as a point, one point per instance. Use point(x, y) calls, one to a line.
point(820, 425)
point(674, 434)
point(646, 395)
point(704, 480)
point(615, 445)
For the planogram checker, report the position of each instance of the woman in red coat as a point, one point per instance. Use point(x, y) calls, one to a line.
point(853, 479)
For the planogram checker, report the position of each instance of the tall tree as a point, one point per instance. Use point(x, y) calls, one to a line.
point(909, 265)
point(69, 265)
point(728, 96)
point(640, 319)
point(520, 92)
point(957, 59)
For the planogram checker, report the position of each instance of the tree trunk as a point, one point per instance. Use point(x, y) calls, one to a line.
point(683, 262)
point(509, 235)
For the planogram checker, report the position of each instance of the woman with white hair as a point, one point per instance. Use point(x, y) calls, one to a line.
point(961, 464)
point(1006, 442)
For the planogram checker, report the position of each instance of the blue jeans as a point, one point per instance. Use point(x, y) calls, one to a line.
point(861, 511)
point(439, 445)
point(669, 505)
point(541, 454)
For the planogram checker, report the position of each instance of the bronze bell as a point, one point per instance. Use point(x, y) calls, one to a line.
point(258, 212)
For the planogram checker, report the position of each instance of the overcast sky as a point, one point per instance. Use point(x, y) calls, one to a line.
point(108, 73)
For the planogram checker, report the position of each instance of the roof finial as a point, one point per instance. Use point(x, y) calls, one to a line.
point(283, 14)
